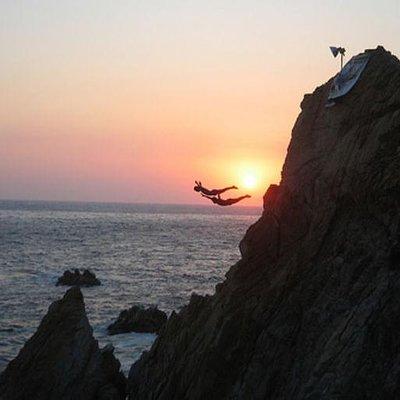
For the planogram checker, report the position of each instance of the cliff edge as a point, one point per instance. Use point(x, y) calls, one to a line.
point(312, 310)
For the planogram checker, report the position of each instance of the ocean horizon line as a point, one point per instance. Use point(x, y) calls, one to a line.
point(116, 206)
point(118, 202)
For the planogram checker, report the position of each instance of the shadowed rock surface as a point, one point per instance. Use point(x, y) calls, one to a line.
point(62, 360)
point(312, 310)
point(138, 319)
point(77, 278)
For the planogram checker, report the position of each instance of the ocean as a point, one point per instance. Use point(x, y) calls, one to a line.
point(149, 254)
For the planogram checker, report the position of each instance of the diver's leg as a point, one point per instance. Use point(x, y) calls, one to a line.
point(220, 191)
point(237, 199)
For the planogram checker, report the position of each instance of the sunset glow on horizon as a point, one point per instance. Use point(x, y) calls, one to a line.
point(132, 101)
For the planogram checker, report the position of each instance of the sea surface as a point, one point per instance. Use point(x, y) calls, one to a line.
point(143, 254)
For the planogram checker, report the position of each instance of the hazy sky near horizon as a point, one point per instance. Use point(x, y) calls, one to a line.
point(133, 100)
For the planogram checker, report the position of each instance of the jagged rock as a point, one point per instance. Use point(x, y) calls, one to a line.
point(138, 319)
point(62, 360)
point(312, 310)
point(77, 278)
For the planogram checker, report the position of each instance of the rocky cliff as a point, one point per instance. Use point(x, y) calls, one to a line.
point(62, 360)
point(312, 310)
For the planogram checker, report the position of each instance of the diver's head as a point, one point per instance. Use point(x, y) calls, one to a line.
point(197, 188)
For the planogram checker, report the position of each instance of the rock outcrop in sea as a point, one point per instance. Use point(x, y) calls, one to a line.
point(78, 278)
point(62, 360)
point(312, 309)
point(138, 319)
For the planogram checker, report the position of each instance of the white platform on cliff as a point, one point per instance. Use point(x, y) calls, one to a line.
point(346, 79)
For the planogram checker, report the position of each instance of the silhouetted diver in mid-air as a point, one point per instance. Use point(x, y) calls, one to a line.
point(226, 202)
point(214, 192)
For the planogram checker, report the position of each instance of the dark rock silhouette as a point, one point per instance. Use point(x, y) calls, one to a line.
point(312, 310)
point(62, 360)
point(138, 319)
point(77, 278)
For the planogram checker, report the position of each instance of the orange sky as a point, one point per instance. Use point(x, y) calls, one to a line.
point(132, 100)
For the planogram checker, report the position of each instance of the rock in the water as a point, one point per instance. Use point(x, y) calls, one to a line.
point(62, 360)
point(138, 319)
point(78, 278)
point(312, 310)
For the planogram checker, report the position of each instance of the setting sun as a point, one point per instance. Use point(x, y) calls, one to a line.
point(251, 175)
point(249, 181)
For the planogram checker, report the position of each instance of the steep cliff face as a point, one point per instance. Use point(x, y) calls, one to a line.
point(312, 310)
point(62, 360)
